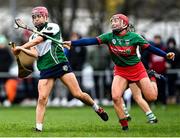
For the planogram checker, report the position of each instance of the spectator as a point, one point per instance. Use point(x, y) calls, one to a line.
point(88, 80)
point(7, 85)
point(77, 59)
point(95, 57)
point(172, 77)
point(158, 64)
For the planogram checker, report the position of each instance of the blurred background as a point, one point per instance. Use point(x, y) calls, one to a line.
point(157, 21)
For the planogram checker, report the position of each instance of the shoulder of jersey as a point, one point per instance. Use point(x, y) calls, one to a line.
point(108, 33)
point(134, 34)
point(53, 25)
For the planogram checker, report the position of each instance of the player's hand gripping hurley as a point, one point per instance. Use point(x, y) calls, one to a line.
point(21, 24)
point(24, 62)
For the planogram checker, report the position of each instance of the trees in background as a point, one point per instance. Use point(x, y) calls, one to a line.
point(101, 10)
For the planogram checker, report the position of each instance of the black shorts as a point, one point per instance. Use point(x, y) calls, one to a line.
point(56, 71)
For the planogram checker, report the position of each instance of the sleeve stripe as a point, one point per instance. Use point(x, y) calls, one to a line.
point(145, 46)
point(99, 40)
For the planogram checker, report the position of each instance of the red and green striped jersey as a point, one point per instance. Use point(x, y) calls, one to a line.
point(123, 48)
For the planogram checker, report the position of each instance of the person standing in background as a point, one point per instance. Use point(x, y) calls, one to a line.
point(77, 58)
point(172, 77)
point(159, 64)
point(8, 85)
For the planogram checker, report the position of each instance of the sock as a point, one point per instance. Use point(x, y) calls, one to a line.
point(95, 107)
point(39, 126)
point(150, 115)
point(126, 110)
point(124, 123)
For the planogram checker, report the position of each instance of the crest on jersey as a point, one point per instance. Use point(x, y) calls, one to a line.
point(128, 51)
point(114, 41)
point(65, 68)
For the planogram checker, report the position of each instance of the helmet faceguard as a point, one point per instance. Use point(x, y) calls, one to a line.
point(119, 23)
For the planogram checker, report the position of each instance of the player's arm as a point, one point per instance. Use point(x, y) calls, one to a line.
point(81, 42)
point(34, 42)
point(29, 44)
point(32, 51)
point(159, 52)
point(145, 45)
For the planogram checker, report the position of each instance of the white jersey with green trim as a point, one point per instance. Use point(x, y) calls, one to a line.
point(49, 53)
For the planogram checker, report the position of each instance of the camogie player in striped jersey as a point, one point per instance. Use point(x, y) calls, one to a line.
point(53, 64)
point(128, 67)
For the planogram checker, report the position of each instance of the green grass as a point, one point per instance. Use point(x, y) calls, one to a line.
point(80, 122)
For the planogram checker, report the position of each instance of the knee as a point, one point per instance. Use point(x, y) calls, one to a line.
point(116, 98)
point(151, 98)
point(151, 95)
point(42, 100)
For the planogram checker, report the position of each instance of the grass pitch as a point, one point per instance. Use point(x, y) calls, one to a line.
point(80, 122)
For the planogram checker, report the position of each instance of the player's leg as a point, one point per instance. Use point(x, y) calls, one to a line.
point(71, 82)
point(147, 89)
point(150, 115)
point(127, 97)
point(154, 85)
point(119, 85)
point(44, 89)
point(137, 96)
point(126, 111)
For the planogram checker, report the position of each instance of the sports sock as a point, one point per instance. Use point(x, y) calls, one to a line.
point(95, 106)
point(39, 126)
point(124, 123)
point(150, 115)
point(126, 110)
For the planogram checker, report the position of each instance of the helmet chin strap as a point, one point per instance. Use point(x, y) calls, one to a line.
point(40, 26)
point(118, 31)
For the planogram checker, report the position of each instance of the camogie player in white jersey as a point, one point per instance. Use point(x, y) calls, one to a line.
point(53, 64)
